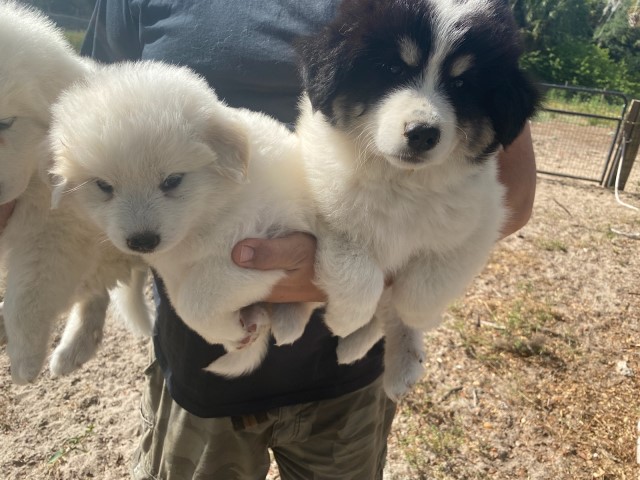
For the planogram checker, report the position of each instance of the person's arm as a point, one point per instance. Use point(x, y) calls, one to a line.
point(517, 172)
point(295, 253)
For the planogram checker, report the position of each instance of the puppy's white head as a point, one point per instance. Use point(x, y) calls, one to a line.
point(36, 63)
point(146, 149)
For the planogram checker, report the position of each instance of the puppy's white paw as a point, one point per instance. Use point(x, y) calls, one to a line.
point(27, 351)
point(404, 358)
point(25, 368)
point(255, 319)
point(70, 356)
point(288, 321)
point(243, 361)
point(402, 371)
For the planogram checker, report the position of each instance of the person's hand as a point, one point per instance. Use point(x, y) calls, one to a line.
point(6, 209)
point(295, 254)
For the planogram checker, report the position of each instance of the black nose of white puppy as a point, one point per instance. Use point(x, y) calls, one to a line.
point(143, 242)
point(421, 137)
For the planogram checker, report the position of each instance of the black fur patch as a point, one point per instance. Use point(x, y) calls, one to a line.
point(356, 57)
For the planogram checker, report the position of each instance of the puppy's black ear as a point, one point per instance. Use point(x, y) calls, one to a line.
point(323, 63)
point(514, 100)
point(227, 138)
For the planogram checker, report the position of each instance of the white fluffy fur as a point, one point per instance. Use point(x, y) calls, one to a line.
point(430, 223)
point(53, 258)
point(427, 219)
point(431, 227)
point(241, 176)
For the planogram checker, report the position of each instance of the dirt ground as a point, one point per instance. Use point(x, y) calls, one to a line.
point(533, 375)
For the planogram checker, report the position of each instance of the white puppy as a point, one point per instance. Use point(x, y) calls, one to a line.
point(171, 173)
point(52, 258)
point(408, 104)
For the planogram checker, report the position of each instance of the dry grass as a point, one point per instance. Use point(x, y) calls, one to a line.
point(524, 380)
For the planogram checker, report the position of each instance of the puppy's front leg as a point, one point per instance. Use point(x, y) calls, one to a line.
point(356, 345)
point(82, 334)
point(211, 295)
point(430, 282)
point(288, 320)
point(210, 300)
point(420, 293)
point(40, 286)
point(352, 281)
point(404, 356)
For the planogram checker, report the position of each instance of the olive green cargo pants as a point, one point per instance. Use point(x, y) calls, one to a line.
point(342, 439)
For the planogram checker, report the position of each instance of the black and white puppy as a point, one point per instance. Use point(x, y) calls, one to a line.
point(407, 106)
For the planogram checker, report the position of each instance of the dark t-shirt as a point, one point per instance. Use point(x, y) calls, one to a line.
point(243, 48)
point(244, 51)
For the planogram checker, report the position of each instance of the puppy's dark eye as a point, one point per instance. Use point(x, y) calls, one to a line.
point(104, 186)
point(5, 123)
point(458, 82)
point(395, 69)
point(171, 182)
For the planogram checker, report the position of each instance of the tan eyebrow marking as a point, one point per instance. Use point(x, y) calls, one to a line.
point(409, 52)
point(461, 65)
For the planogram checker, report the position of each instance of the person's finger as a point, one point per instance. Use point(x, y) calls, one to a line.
point(290, 252)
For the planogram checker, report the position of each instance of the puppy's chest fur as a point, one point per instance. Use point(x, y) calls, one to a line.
point(406, 214)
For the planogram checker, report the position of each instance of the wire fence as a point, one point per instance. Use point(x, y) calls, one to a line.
point(575, 132)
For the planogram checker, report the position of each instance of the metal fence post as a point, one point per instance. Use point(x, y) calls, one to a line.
point(631, 137)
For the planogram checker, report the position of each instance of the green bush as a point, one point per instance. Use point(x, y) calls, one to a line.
point(579, 63)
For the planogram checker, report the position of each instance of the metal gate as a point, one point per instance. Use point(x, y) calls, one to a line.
point(575, 132)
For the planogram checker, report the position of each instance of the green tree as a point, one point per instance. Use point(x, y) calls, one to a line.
point(546, 23)
point(580, 42)
point(618, 36)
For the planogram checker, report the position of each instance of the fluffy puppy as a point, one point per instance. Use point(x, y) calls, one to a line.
point(407, 105)
point(169, 172)
point(52, 259)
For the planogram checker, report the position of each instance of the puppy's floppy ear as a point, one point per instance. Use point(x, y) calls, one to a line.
point(323, 63)
point(227, 137)
point(512, 102)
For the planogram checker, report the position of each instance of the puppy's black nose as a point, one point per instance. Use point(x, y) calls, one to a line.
point(144, 242)
point(421, 137)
